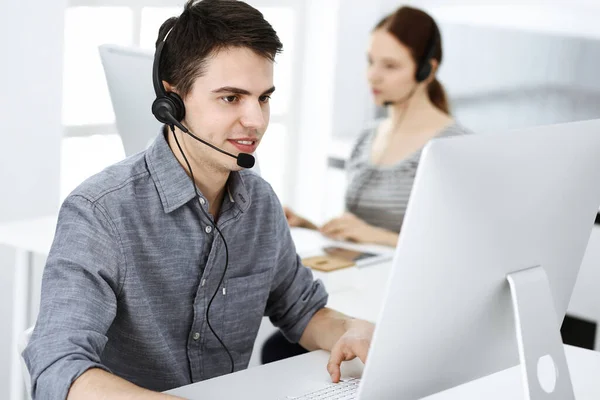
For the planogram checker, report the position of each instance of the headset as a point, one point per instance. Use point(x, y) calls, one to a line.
point(424, 66)
point(168, 108)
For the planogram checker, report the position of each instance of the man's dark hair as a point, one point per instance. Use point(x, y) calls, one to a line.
point(206, 27)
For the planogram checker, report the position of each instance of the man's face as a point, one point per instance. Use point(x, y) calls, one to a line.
point(228, 106)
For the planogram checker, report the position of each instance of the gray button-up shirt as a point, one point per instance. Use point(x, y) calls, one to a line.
point(133, 268)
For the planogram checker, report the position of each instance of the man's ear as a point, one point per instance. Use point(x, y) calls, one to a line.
point(169, 87)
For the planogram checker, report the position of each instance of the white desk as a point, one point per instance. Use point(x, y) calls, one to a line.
point(294, 376)
point(28, 237)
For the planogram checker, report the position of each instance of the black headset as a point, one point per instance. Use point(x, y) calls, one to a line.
point(167, 105)
point(424, 67)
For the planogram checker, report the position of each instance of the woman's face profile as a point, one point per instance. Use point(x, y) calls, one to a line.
point(391, 69)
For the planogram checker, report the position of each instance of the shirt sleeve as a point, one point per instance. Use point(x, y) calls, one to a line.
point(295, 296)
point(80, 285)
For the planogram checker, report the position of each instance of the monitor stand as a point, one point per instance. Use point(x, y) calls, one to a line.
point(538, 337)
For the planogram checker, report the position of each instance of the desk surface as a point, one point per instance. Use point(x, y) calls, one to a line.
point(297, 375)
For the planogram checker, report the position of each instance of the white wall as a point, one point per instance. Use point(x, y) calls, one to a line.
point(530, 78)
point(30, 114)
point(315, 115)
point(6, 284)
point(30, 108)
point(355, 23)
point(333, 92)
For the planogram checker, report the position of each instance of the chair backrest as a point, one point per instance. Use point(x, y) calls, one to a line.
point(21, 345)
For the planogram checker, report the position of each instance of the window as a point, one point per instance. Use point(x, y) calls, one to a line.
point(85, 94)
point(92, 142)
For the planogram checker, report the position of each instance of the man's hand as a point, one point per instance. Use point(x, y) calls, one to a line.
point(354, 343)
point(345, 337)
point(350, 227)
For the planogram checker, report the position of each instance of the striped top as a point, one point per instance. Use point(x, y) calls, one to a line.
point(379, 194)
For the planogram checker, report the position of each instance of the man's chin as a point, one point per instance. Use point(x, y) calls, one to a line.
point(232, 166)
point(236, 168)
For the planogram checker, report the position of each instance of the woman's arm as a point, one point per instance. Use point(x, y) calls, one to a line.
point(350, 227)
point(385, 237)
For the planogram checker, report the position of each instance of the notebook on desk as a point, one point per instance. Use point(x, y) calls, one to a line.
point(323, 254)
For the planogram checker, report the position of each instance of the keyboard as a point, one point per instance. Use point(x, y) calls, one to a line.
point(346, 389)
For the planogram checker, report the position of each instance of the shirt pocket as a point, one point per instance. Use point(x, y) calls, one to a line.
point(245, 302)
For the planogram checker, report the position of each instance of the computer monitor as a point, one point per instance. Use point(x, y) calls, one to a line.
point(485, 210)
point(128, 72)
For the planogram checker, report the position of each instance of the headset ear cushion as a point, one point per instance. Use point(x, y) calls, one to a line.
point(179, 107)
point(172, 105)
point(423, 72)
point(161, 107)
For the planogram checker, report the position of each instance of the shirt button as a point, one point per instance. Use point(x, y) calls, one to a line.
point(202, 201)
point(208, 229)
point(196, 336)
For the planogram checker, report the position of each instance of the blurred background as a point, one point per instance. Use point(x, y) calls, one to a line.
point(507, 65)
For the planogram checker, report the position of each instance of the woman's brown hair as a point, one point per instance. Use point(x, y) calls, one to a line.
point(418, 31)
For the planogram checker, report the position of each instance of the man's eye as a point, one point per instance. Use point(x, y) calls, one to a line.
point(230, 99)
point(264, 99)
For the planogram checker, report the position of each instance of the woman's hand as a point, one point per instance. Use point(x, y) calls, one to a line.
point(350, 227)
point(294, 220)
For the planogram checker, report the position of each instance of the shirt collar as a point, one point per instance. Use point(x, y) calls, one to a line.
point(173, 184)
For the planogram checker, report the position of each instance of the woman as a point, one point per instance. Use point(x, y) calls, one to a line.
point(404, 54)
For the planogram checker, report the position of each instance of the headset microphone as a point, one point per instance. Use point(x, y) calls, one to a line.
point(244, 160)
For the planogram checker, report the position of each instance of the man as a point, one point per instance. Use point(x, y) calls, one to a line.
point(150, 285)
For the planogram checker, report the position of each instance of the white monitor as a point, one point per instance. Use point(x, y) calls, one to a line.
point(128, 72)
point(485, 210)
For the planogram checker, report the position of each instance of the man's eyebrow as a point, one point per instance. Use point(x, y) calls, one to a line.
point(234, 90)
